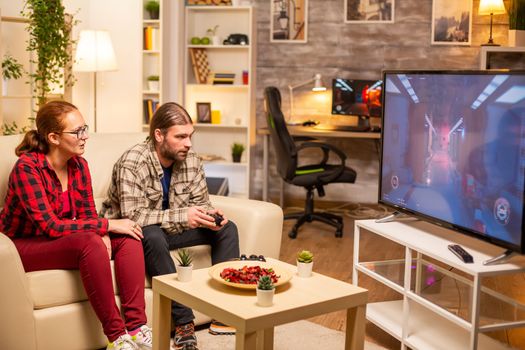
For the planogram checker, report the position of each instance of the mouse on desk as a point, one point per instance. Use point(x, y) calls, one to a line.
point(310, 122)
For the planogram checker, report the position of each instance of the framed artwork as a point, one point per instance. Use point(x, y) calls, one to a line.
point(451, 22)
point(369, 11)
point(288, 21)
point(203, 112)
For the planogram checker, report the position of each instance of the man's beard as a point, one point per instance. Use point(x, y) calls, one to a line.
point(168, 153)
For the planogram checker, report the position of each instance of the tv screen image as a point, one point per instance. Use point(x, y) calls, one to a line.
point(453, 150)
point(356, 97)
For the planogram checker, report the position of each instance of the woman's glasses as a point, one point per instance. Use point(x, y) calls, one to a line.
point(80, 132)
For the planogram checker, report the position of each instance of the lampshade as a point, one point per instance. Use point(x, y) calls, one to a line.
point(494, 7)
point(94, 52)
point(318, 83)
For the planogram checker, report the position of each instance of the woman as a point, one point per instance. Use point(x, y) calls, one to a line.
point(50, 215)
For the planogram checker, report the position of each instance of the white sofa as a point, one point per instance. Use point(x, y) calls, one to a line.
point(48, 310)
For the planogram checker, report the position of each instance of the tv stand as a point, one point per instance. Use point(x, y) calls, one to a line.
point(394, 216)
point(500, 259)
point(422, 318)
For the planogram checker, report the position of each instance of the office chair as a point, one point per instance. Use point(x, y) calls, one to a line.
point(312, 176)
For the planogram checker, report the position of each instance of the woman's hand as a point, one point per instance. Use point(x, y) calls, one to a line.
point(107, 243)
point(125, 227)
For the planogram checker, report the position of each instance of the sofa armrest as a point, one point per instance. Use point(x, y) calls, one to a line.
point(17, 325)
point(260, 224)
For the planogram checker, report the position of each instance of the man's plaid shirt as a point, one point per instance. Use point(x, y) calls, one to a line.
point(135, 191)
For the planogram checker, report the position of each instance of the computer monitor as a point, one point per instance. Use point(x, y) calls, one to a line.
point(357, 97)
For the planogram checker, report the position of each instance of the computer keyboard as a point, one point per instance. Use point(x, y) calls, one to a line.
point(342, 127)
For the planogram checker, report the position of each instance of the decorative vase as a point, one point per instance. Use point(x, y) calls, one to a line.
point(184, 273)
point(236, 158)
point(153, 85)
point(516, 37)
point(265, 297)
point(216, 40)
point(154, 14)
point(304, 269)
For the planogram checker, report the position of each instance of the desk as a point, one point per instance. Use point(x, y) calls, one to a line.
point(305, 131)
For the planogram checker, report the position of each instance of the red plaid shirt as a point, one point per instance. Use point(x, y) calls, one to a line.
point(33, 205)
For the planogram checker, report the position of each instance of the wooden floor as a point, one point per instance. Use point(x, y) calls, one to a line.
point(333, 257)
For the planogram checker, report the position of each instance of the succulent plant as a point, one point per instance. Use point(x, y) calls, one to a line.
point(185, 258)
point(305, 256)
point(265, 283)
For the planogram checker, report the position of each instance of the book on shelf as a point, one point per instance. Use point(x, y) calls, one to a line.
point(151, 38)
point(150, 107)
point(222, 78)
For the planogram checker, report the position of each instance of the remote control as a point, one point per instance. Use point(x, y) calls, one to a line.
point(461, 253)
point(218, 218)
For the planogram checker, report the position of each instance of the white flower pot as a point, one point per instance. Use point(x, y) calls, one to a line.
point(304, 269)
point(153, 85)
point(216, 40)
point(184, 273)
point(265, 297)
point(516, 37)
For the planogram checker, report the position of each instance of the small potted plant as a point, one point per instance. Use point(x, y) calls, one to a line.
point(153, 8)
point(184, 265)
point(11, 69)
point(265, 291)
point(516, 10)
point(212, 33)
point(237, 149)
point(305, 263)
point(153, 83)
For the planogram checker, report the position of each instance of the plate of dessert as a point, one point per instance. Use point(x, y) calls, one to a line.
point(246, 273)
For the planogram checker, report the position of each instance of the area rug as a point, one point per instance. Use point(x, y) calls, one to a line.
point(302, 335)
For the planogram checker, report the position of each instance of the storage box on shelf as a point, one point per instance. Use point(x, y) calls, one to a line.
point(438, 308)
point(222, 75)
point(152, 52)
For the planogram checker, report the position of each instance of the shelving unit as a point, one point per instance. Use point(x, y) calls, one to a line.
point(17, 100)
point(236, 102)
point(152, 61)
point(424, 320)
point(511, 57)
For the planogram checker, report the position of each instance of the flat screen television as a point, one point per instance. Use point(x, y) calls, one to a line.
point(453, 151)
point(357, 97)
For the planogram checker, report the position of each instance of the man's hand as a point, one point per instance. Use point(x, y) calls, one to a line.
point(198, 217)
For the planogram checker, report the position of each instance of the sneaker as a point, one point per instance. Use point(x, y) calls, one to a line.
point(185, 337)
point(124, 342)
point(219, 328)
point(143, 338)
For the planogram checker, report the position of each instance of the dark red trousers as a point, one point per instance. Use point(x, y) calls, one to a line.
point(87, 253)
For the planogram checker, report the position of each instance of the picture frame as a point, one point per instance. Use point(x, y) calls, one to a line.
point(451, 22)
point(369, 11)
point(289, 21)
point(203, 112)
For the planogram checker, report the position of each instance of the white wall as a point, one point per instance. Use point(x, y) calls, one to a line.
point(119, 101)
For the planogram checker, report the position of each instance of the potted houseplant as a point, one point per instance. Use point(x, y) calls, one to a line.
point(50, 42)
point(305, 263)
point(153, 83)
point(237, 149)
point(184, 265)
point(153, 8)
point(11, 69)
point(265, 291)
point(516, 10)
point(212, 33)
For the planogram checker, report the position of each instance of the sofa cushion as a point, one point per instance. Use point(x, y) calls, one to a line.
point(43, 284)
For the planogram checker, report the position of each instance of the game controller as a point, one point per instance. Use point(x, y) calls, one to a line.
point(218, 218)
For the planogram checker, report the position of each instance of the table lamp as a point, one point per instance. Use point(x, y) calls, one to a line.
point(491, 7)
point(94, 54)
point(318, 86)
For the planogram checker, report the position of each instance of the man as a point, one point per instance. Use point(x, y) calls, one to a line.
point(160, 184)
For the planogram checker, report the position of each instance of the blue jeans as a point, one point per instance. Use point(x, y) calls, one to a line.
point(157, 245)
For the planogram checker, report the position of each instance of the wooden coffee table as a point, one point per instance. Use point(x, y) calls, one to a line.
point(298, 299)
